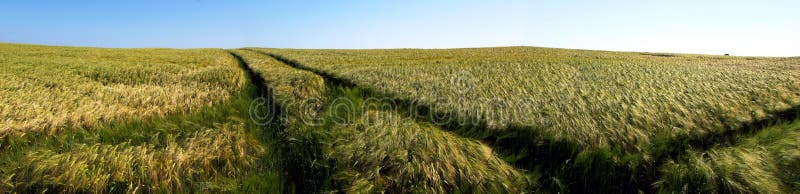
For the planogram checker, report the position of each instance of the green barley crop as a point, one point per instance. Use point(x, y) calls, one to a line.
point(581, 118)
point(375, 150)
point(78, 120)
point(385, 151)
point(592, 98)
point(767, 162)
point(301, 92)
point(223, 151)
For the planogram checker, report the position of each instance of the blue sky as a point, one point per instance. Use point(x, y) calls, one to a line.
point(766, 28)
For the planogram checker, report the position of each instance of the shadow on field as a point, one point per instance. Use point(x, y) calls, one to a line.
point(293, 154)
point(559, 165)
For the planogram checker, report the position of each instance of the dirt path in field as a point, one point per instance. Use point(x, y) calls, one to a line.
point(263, 91)
point(545, 155)
point(273, 129)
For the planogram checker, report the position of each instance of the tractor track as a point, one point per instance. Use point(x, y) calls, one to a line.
point(550, 154)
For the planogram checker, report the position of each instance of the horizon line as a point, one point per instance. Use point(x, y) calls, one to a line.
point(401, 48)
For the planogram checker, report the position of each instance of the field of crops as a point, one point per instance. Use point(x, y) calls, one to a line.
point(373, 149)
point(592, 98)
point(48, 88)
point(129, 120)
point(481, 120)
point(616, 115)
point(767, 162)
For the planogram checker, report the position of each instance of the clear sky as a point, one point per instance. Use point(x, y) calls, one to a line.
point(766, 28)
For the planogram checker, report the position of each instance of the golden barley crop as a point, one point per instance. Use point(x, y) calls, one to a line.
point(47, 88)
point(139, 120)
point(222, 151)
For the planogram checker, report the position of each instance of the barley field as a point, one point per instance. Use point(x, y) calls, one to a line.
point(576, 119)
point(592, 98)
point(472, 120)
point(376, 150)
point(49, 88)
point(93, 120)
point(766, 162)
